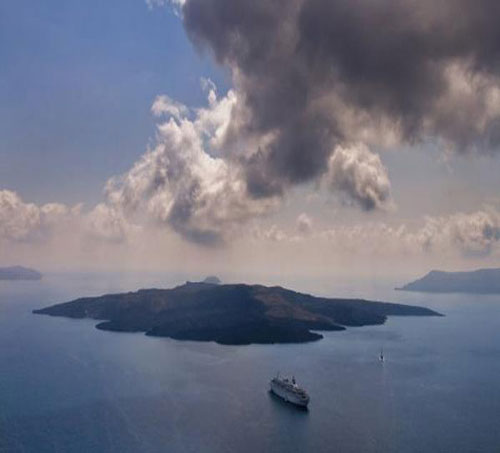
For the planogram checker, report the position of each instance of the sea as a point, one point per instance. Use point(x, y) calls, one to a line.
point(68, 387)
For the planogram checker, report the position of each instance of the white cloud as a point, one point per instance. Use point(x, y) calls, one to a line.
point(176, 4)
point(67, 232)
point(304, 224)
point(195, 179)
point(183, 184)
point(468, 234)
point(465, 235)
point(20, 221)
point(164, 105)
point(28, 222)
point(477, 233)
point(360, 174)
point(189, 182)
point(273, 233)
point(107, 224)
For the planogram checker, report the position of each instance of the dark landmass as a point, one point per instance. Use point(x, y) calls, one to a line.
point(19, 273)
point(212, 279)
point(229, 314)
point(482, 281)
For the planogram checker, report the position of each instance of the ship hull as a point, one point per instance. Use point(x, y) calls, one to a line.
point(288, 396)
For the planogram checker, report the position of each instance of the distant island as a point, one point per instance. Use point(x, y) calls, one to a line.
point(19, 273)
point(212, 279)
point(229, 314)
point(482, 281)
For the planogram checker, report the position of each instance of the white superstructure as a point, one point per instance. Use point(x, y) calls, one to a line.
point(289, 390)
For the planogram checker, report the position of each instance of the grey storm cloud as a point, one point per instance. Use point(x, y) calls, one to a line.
point(313, 75)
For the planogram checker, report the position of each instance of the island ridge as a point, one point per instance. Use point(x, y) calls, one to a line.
point(230, 313)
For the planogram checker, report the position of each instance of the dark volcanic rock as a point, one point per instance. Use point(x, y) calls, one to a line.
point(229, 314)
point(482, 281)
point(19, 273)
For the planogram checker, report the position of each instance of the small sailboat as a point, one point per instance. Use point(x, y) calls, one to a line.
point(381, 356)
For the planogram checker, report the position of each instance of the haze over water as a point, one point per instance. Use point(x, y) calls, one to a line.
point(66, 386)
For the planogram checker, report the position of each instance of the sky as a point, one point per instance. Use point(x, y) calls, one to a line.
point(314, 138)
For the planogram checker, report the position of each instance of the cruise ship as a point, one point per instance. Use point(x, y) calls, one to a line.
point(289, 390)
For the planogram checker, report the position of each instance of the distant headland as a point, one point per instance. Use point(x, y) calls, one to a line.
point(230, 313)
point(19, 273)
point(212, 279)
point(482, 281)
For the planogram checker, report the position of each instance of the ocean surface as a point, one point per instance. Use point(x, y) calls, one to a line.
point(68, 387)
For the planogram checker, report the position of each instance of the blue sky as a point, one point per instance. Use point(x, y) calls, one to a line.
point(76, 86)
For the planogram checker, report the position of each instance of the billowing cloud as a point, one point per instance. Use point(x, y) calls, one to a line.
point(182, 182)
point(274, 233)
point(475, 234)
point(27, 222)
point(104, 223)
point(205, 183)
point(317, 76)
point(304, 224)
point(318, 87)
point(164, 105)
point(359, 174)
point(20, 221)
point(175, 3)
point(459, 235)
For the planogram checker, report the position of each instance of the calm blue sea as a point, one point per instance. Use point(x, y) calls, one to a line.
point(68, 387)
